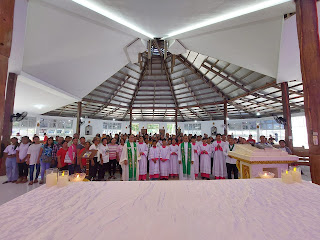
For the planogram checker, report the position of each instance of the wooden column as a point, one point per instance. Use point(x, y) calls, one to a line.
point(9, 104)
point(176, 120)
point(308, 34)
point(79, 112)
point(225, 117)
point(6, 23)
point(131, 120)
point(287, 114)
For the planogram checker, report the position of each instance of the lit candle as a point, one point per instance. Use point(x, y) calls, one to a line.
point(286, 177)
point(266, 175)
point(63, 179)
point(296, 174)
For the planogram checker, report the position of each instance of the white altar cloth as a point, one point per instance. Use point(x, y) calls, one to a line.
point(225, 209)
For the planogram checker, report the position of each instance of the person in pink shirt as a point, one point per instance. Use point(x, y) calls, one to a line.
point(119, 152)
point(154, 157)
point(164, 161)
point(143, 164)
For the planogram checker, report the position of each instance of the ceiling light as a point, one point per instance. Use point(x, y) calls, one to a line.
point(258, 113)
point(237, 13)
point(134, 118)
point(113, 119)
point(228, 118)
point(195, 121)
point(39, 106)
point(109, 14)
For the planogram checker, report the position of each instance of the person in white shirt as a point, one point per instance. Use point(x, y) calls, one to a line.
point(22, 155)
point(143, 164)
point(154, 165)
point(186, 160)
point(96, 159)
point(34, 159)
point(231, 162)
point(103, 149)
point(10, 154)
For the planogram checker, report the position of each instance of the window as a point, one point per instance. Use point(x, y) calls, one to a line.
point(299, 132)
point(271, 127)
point(26, 127)
point(192, 128)
point(135, 128)
point(243, 129)
point(171, 128)
point(153, 128)
point(56, 127)
point(111, 128)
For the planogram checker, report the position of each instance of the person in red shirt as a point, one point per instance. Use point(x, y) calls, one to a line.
point(61, 155)
point(83, 161)
point(45, 138)
point(251, 140)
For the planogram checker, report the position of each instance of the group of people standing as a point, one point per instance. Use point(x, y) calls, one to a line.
point(163, 157)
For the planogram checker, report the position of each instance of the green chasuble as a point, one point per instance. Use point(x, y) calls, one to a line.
point(132, 161)
point(186, 165)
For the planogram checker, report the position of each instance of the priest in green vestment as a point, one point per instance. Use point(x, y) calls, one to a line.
point(186, 160)
point(129, 160)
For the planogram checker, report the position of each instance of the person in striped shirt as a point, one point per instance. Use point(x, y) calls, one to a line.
point(113, 147)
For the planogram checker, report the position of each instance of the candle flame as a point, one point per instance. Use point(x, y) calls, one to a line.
point(62, 174)
point(78, 176)
point(295, 169)
point(265, 174)
point(286, 171)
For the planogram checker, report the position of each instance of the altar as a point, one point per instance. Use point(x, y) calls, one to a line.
point(245, 209)
point(252, 160)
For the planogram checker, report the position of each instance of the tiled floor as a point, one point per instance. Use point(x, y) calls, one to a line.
point(10, 191)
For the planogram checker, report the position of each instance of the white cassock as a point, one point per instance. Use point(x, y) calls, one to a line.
point(181, 175)
point(143, 148)
point(164, 166)
point(124, 157)
point(174, 164)
point(205, 160)
point(154, 168)
point(219, 168)
point(195, 149)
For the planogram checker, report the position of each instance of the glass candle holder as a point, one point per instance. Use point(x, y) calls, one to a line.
point(286, 177)
point(51, 177)
point(63, 178)
point(296, 174)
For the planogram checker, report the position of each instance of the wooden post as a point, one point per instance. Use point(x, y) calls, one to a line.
point(176, 120)
point(131, 120)
point(308, 34)
point(6, 22)
point(225, 117)
point(287, 114)
point(9, 104)
point(79, 112)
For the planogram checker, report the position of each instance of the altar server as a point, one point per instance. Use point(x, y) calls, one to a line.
point(219, 149)
point(195, 147)
point(129, 160)
point(164, 161)
point(154, 158)
point(186, 160)
point(143, 150)
point(174, 164)
point(231, 162)
point(205, 151)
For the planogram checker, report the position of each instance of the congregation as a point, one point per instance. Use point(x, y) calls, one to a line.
point(159, 156)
